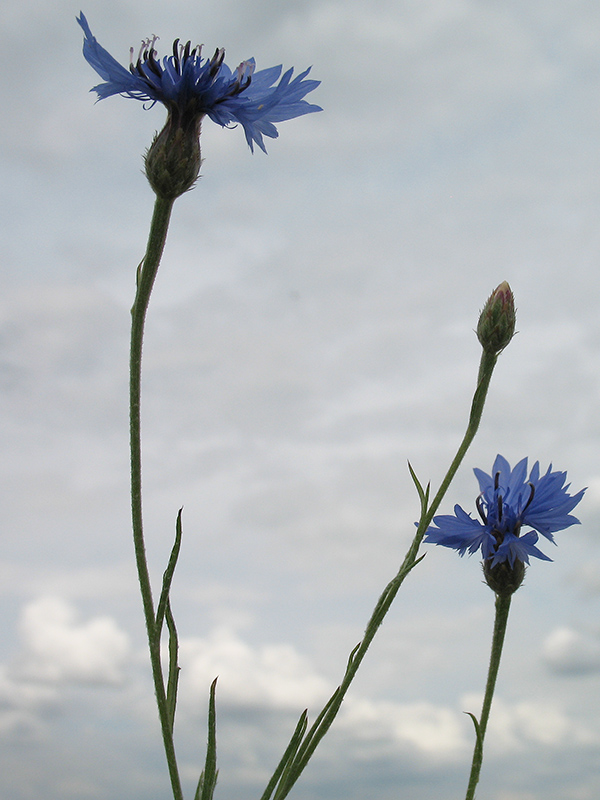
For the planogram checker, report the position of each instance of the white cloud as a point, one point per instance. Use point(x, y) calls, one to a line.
point(279, 679)
point(434, 732)
point(514, 726)
point(57, 647)
point(569, 651)
point(272, 676)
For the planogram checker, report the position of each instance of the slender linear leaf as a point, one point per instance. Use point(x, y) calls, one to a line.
point(173, 679)
point(168, 577)
point(477, 727)
point(417, 483)
point(288, 756)
point(208, 779)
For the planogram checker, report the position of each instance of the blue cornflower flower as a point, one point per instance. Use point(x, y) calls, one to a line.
point(188, 84)
point(508, 500)
point(192, 87)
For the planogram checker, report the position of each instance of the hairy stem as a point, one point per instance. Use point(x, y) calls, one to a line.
point(501, 619)
point(145, 281)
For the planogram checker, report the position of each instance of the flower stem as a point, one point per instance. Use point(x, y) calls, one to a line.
point(486, 368)
point(145, 281)
point(304, 750)
point(502, 609)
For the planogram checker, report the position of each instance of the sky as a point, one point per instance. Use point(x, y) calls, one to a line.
point(311, 330)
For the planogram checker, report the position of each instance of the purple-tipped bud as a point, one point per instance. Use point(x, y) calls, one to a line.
point(496, 325)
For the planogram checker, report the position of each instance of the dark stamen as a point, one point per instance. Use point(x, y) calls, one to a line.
point(240, 87)
point(499, 508)
point(216, 62)
point(531, 496)
point(186, 52)
point(152, 64)
point(496, 481)
point(176, 54)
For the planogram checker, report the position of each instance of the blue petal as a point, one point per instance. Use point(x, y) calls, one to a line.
point(118, 79)
point(551, 504)
point(518, 548)
point(460, 532)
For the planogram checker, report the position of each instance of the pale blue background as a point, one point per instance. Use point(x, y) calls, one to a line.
point(311, 330)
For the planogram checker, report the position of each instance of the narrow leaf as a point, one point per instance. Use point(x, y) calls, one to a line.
point(173, 679)
point(198, 793)
point(168, 577)
point(477, 727)
point(417, 484)
point(288, 756)
point(208, 779)
point(409, 567)
point(351, 657)
point(318, 729)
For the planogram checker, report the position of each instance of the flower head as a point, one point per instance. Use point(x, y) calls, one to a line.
point(192, 86)
point(509, 501)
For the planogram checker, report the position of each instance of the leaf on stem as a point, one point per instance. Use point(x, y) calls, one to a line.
point(174, 669)
point(208, 778)
point(416, 481)
point(351, 657)
point(409, 567)
point(168, 577)
point(284, 765)
point(423, 493)
point(477, 728)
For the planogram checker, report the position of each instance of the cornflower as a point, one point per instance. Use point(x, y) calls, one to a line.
point(192, 87)
point(509, 501)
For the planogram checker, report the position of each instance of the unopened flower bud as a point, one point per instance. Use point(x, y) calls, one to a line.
point(496, 325)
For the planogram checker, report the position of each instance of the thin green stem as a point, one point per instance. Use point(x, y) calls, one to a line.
point(502, 609)
point(145, 281)
point(325, 719)
point(486, 369)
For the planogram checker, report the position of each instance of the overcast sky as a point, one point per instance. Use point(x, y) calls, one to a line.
point(310, 331)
